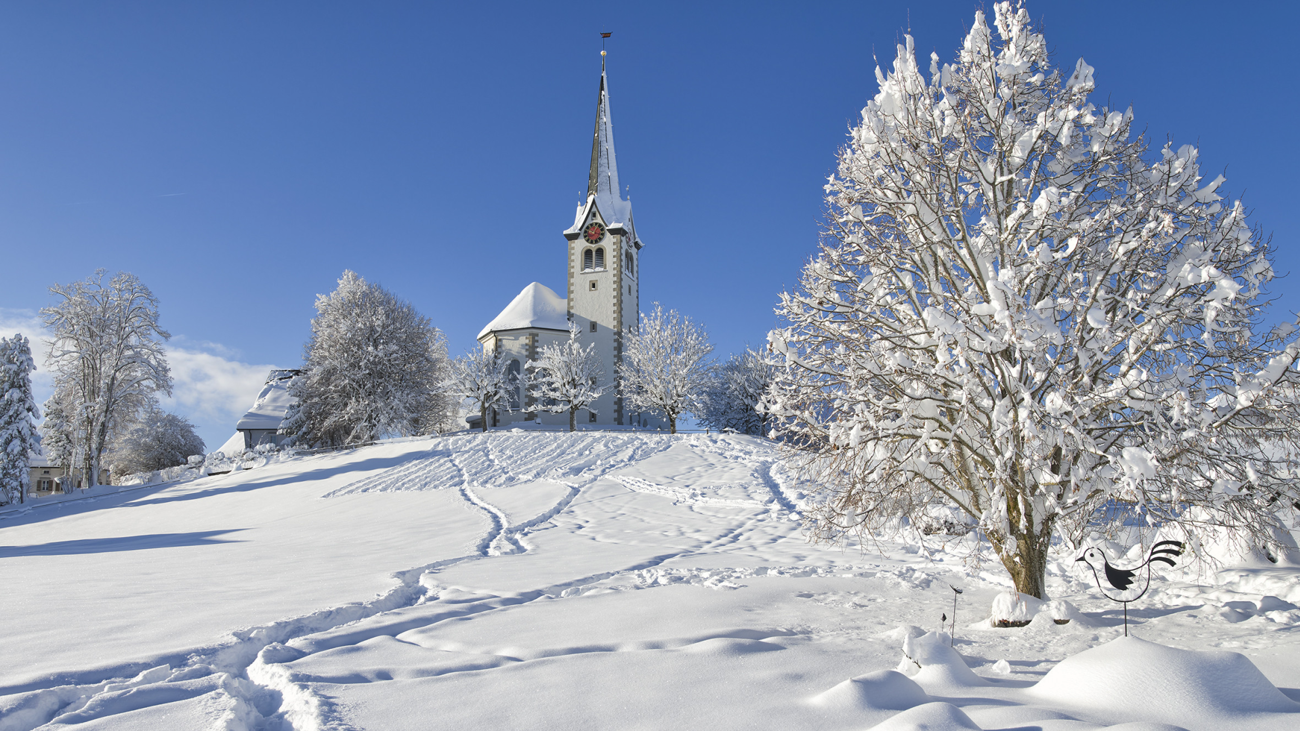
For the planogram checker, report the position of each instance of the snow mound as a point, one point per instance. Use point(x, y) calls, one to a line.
point(930, 717)
point(1013, 609)
point(1132, 679)
point(884, 690)
point(940, 665)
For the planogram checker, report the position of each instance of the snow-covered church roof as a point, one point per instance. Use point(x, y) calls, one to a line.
point(271, 404)
point(602, 181)
point(537, 306)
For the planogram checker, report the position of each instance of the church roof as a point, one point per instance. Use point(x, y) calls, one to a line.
point(602, 180)
point(536, 307)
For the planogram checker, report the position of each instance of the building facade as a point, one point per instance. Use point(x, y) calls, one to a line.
point(603, 291)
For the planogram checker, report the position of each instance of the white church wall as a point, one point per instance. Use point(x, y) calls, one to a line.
point(594, 298)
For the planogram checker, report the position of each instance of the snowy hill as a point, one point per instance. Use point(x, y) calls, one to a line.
point(588, 580)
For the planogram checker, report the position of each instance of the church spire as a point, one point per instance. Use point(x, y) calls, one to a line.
point(603, 179)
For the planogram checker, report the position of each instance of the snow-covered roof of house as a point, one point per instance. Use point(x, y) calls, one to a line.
point(602, 180)
point(271, 404)
point(537, 306)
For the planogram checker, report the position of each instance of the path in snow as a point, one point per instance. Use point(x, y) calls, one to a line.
point(523, 580)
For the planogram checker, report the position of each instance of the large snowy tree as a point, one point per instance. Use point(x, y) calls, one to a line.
point(108, 360)
point(156, 441)
point(665, 365)
point(1020, 311)
point(483, 378)
point(18, 415)
point(566, 377)
point(373, 368)
point(736, 392)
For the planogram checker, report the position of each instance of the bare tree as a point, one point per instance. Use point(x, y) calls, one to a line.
point(1019, 312)
point(664, 365)
point(482, 377)
point(373, 368)
point(567, 377)
point(107, 356)
point(18, 415)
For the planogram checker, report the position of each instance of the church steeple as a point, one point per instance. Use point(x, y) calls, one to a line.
point(602, 179)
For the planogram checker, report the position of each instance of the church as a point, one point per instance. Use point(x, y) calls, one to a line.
point(602, 298)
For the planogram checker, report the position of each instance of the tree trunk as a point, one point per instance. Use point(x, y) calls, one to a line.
point(1028, 566)
point(573, 425)
point(87, 465)
point(483, 412)
point(672, 423)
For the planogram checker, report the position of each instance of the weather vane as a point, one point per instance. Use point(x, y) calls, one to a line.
point(1122, 580)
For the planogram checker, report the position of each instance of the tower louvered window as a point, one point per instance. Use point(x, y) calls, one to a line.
point(586, 259)
point(600, 257)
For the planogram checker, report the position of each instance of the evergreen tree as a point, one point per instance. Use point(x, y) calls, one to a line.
point(18, 415)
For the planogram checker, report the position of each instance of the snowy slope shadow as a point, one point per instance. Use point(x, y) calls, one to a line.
point(119, 543)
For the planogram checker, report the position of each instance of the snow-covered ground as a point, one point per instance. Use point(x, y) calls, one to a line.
point(581, 581)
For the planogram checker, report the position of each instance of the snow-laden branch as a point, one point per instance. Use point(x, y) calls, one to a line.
point(1019, 311)
point(665, 366)
point(107, 356)
point(566, 377)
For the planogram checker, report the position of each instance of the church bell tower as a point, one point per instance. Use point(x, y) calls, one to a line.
point(603, 262)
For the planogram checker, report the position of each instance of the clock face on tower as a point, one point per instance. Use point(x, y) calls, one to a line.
point(594, 232)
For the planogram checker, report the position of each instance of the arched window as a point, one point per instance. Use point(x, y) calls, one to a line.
point(631, 264)
point(586, 259)
point(600, 257)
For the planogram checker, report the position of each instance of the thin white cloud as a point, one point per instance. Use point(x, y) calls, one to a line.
point(212, 391)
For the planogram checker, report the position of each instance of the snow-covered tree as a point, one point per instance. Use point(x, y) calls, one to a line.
point(665, 366)
point(108, 359)
point(58, 440)
point(566, 377)
point(735, 393)
point(373, 368)
point(18, 415)
point(482, 377)
point(158, 440)
point(1019, 311)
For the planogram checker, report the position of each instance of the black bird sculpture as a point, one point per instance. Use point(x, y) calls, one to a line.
point(1123, 581)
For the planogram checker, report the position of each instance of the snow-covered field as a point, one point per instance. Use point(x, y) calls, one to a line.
point(581, 581)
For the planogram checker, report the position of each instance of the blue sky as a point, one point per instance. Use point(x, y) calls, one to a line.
point(238, 156)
